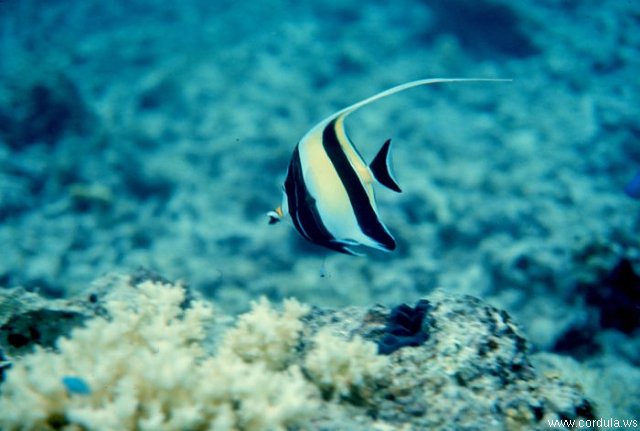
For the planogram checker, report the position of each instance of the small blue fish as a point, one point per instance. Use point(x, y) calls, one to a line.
point(633, 188)
point(328, 191)
point(76, 385)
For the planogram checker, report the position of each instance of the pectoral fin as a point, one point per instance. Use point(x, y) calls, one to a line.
point(381, 168)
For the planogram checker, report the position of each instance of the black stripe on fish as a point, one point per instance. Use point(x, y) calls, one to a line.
point(362, 208)
point(303, 209)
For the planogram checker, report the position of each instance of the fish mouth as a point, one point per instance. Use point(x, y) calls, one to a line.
point(275, 216)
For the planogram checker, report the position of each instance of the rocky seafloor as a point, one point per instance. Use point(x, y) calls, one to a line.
point(447, 362)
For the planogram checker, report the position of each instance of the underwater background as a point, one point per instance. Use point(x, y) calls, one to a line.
point(157, 135)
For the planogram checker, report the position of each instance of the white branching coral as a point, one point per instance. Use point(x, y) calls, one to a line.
point(145, 370)
point(345, 369)
point(264, 335)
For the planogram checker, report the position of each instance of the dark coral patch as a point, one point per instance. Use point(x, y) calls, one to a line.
point(485, 29)
point(4, 365)
point(44, 111)
point(404, 328)
point(617, 296)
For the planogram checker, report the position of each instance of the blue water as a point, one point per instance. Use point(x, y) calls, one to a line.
point(157, 135)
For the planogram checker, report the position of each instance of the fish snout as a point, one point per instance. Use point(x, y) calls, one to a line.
point(275, 216)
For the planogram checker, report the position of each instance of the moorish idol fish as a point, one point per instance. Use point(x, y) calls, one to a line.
point(633, 188)
point(328, 191)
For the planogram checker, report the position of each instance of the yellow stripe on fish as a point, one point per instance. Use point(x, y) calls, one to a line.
point(328, 191)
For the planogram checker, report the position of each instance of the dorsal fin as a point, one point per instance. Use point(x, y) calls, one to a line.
point(381, 168)
point(393, 90)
